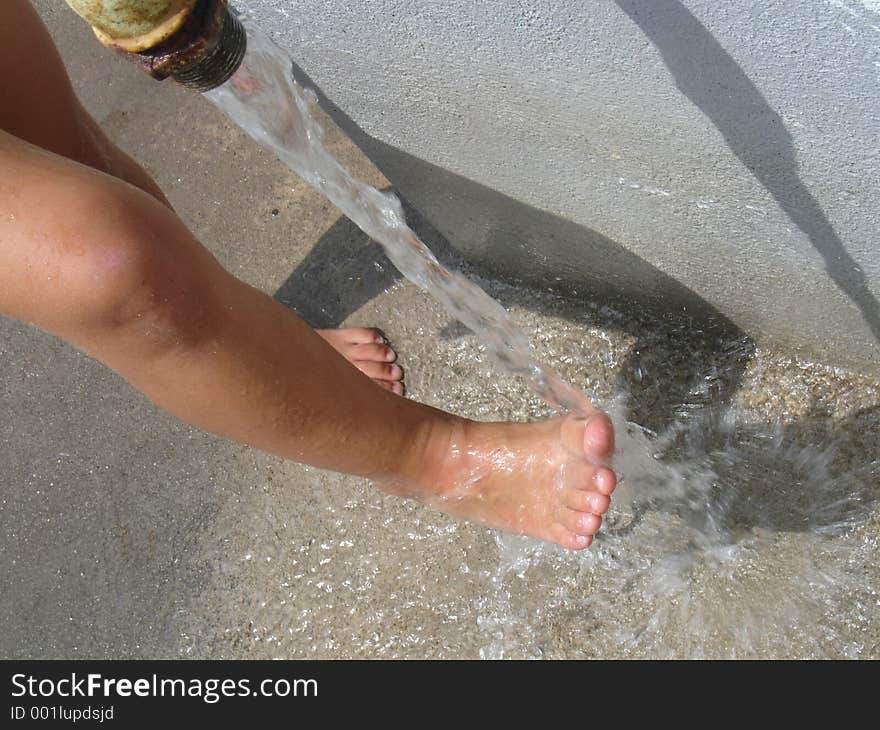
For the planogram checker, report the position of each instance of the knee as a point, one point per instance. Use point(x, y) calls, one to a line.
point(120, 276)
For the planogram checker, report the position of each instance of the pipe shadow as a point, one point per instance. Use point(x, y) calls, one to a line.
point(707, 75)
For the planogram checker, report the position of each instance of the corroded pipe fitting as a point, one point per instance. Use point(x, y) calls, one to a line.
point(204, 52)
point(199, 43)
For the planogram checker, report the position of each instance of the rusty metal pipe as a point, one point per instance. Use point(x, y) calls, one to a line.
point(199, 43)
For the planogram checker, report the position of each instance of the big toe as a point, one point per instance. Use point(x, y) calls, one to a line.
point(599, 437)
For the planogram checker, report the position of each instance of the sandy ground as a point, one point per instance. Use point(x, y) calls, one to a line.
point(125, 533)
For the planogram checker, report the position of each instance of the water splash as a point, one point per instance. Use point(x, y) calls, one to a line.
point(743, 540)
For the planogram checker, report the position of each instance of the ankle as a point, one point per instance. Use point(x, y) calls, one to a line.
point(432, 456)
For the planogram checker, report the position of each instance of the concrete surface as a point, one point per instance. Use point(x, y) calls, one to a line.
point(124, 533)
point(614, 145)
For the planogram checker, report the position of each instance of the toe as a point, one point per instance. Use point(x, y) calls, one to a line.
point(568, 539)
point(604, 480)
point(395, 387)
point(379, 370)
point(599, 436)
point(585, 500)
point(340, 338)
point(372, 352)
point(580, 523)
point(363, 336)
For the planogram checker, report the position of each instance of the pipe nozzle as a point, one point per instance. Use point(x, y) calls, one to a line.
point(205, 52)
point(199, 43)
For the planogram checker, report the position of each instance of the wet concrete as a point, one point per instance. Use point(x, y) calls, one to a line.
point(125, 533)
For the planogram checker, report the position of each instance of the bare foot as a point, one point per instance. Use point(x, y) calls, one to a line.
point(368, 352)
point(546, 480)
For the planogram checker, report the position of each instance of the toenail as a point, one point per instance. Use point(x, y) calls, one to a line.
point(389, 355)
point(396, 372)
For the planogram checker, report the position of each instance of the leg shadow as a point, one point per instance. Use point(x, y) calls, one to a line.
point(708, 76)
point(346, 269)
point(687, 361)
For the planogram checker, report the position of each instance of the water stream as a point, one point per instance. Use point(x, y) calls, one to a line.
point(725, 533)
point(264, 99)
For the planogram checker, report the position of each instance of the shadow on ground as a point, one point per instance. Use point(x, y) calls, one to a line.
point(707, 75)
point(681, 372)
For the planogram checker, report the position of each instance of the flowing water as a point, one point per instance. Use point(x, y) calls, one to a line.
point(735, 537)
point(264, 99)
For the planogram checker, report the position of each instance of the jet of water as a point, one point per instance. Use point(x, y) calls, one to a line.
point(265, 100)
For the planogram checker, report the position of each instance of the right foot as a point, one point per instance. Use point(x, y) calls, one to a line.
point(546, 480)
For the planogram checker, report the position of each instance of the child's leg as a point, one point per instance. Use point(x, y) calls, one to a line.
point(111, 270)
point(39, 105)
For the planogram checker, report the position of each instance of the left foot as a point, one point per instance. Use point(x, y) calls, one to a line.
point(367, 350)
